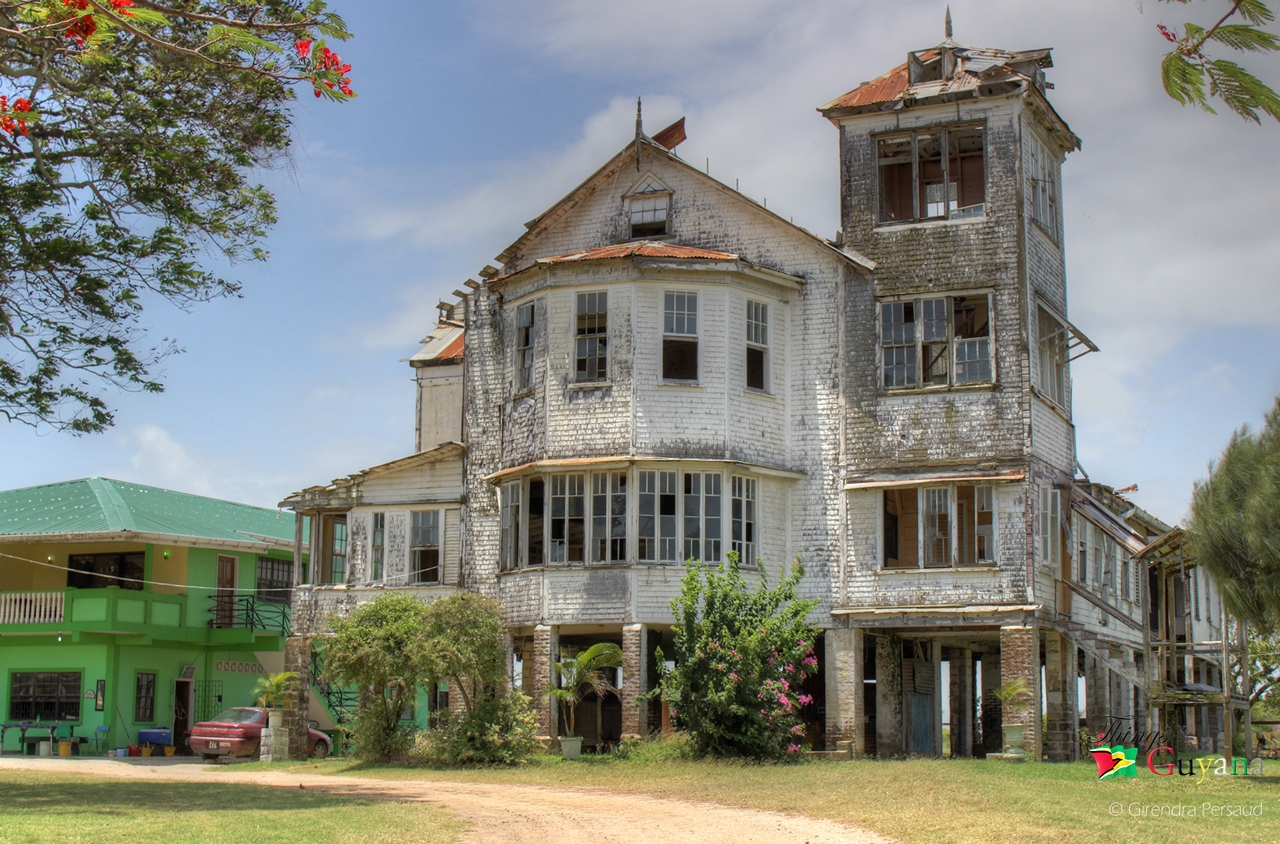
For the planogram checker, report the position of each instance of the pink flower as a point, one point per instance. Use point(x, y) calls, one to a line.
point(805, 700)
point(797, 730)
point(793, 748)
point(790, 669)
point(809, 661)
point(786, 685)
point(782, 699)
point(800, 642)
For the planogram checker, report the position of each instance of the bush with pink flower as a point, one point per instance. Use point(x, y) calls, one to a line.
point(741, 657)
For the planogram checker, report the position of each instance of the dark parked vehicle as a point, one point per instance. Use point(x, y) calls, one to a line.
point(238, 731)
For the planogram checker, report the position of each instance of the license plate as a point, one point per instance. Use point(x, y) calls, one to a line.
point(213, 745)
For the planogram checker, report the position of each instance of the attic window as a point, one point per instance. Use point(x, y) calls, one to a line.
point(937, 175)
point(648, 207)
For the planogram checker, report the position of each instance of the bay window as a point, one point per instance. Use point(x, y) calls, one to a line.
point(936, 342)
point(939, 526)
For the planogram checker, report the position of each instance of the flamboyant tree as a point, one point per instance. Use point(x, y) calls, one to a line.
point(130, 131)
point(1193, 77)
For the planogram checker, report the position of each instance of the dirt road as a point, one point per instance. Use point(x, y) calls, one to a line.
point(507, 814)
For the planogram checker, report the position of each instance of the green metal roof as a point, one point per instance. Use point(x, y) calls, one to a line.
point(101, 505)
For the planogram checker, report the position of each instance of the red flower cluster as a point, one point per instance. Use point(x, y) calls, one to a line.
point(81, 27)
point(121, 5)
point(1169, 36)
point(7, 120)
point(328, 61)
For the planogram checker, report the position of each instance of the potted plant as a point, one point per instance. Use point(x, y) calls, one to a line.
point(575, 678)
point(1015, 700)
point(275, 691)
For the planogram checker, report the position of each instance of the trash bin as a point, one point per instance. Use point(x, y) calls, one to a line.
point(46, 748)
point(64, 749)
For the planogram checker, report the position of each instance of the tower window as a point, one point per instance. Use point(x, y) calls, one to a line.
point(936, 175)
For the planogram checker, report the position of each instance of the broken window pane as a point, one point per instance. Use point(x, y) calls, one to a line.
point(986, 528)
point(974, 525)
point(692, 515)
point(965, 170)
point(424, 546)
point(524, 346)
point(509, 538)
point(649, 215)
point(934, 348)
point(973, 345)
point(937, 528)
point(895, 180)
point(901, 528)
point(593, 336)
point(536, 514)
point(934, 201)
point(668, 549)
point(757, 343)
point(1053, 358)
point(609, 517)
point(898, 338)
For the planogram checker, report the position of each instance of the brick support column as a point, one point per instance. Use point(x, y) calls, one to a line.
point(297, 658)
point(962, 703)
point(1097, 694)
point(1060, 697)
point(635, 664)
point(843, 676)
point(889, 739)
point(1020, 659)
point(992, 736)
point(546, 646)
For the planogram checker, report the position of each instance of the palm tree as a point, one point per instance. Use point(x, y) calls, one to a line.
point(275, 690)
point(580, 675)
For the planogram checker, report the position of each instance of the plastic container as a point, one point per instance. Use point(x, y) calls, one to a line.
point(46, 748)
point(121, 752)
point(64, 749)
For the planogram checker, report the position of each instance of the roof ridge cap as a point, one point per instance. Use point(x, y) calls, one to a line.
point(114, 510)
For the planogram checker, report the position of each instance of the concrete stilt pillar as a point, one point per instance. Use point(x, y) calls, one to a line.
point(1060, 697)
point(546, 646)
point(962, 703)
point(889, 739)
point(992, 737)
point(1020, 660)
point(1097, 691)
point(635, 671)
point(843, 674)
point(297, 658)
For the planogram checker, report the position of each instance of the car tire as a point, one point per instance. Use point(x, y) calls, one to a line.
point(320, 751)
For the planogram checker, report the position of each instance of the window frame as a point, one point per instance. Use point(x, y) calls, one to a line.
point(1043, 187)
point(601, 358)
point(1049, 515)
point(637, 199)
point(675, 336)
point(923, 492)
point(149, 716)
point(1053, 371)
point(744, 518)
point(510, 545)
point(918, 212)
point(377, 545)
point(526, 337)
point(757, 340)
point(913, 363)
point(271, 593)
point(62, 702)
point(415, 570)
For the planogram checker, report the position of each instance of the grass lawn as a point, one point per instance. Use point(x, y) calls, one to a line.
point(36, 807)
point(925, 800)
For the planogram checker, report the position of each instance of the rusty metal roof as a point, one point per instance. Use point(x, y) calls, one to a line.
point(974, 67)
point(642, 249)
point(446, 343)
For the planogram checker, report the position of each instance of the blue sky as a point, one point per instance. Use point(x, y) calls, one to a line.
point(475, 116)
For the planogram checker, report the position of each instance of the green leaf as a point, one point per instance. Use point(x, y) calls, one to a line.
point(1241, 91)
point(1245, 38)
point(1255, 12)
point(1184, 81)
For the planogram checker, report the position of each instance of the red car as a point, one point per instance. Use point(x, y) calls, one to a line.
point(237, 732)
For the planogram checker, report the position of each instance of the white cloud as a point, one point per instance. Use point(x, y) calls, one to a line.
point(158, 459)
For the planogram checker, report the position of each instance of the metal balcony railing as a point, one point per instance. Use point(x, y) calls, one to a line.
point(248, 612)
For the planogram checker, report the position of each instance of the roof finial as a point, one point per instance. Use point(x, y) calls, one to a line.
point(639, 133)
point(947, 25)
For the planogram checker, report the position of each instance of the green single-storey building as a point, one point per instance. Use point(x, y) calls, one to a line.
point(135, 609)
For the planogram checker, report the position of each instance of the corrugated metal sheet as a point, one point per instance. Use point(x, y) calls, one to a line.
point(643, 249)
point(446, 342)
point(98, 505)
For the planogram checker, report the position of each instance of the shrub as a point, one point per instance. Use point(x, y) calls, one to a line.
point(657, 749)
point(497, 731)
point(740, 657)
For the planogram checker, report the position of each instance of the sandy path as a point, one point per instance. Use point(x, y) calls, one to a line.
point(509, 814)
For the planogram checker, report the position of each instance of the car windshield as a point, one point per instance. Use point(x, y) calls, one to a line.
point(239, 716)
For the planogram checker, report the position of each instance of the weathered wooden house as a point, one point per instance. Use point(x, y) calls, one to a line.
point(662, 369)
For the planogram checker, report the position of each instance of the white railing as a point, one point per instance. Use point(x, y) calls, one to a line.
point(31, 607)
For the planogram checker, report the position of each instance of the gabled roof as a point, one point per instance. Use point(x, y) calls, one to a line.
point(650, 147)
point(102, 506)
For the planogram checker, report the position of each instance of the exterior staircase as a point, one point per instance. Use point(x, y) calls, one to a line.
point(338, 701)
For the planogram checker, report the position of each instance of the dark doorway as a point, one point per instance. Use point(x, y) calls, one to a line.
point(182, 721)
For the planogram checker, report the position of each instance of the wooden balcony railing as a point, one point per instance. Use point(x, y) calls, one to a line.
point(31, 607)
